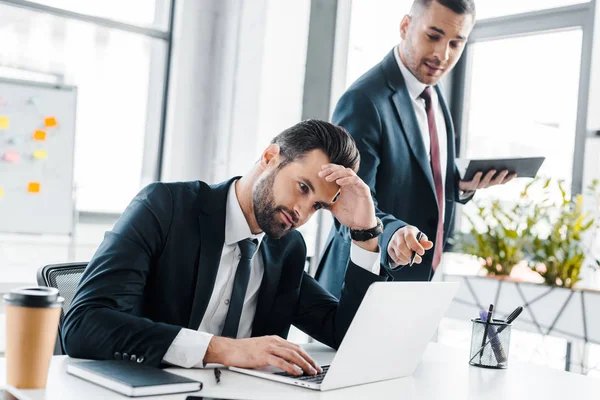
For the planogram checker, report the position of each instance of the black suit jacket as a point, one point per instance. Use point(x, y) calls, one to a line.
point(377, 111)
point(154, 274)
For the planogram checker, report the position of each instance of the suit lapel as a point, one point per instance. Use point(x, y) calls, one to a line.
point(272, 272)
point(407, 118)
point(211, 220)
point(408, 121)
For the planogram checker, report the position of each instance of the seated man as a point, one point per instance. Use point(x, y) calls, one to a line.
point(194, 274)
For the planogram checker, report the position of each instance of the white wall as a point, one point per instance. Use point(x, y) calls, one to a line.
point(283, 68)
point(202, 86)
point(245, 60)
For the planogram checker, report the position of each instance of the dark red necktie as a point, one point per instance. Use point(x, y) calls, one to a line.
point(437, 175)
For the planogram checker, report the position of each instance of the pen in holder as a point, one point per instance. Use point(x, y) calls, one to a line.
point(491, 351)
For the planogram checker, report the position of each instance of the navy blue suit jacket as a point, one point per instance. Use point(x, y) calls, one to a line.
point(377, 111)
point(155, 271)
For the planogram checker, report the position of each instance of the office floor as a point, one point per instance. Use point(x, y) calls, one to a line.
point(21, 256)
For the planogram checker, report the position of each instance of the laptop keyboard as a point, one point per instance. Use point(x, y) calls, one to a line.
point(307, 378)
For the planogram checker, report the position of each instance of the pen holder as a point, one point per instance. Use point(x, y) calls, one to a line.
point(491, 352)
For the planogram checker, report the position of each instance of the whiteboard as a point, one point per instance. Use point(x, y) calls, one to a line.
point(37, 138)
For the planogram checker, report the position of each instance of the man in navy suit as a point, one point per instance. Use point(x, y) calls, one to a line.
point(398, 116)
point(194, 274)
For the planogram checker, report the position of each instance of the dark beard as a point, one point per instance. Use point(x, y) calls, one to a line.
point(266, 211)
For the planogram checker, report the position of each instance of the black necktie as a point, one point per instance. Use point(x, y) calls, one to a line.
point(240, 284)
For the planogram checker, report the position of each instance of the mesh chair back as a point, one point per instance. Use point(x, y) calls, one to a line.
point(64, 277)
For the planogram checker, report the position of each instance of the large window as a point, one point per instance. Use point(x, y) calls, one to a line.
point(522, 103)
point(374, 30)
point(146, 13)
point(119, 75)
point(498, 8)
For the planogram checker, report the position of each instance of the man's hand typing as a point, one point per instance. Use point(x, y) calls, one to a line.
point(261, 352)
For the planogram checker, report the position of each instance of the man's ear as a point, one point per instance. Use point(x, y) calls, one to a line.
point(404, 26)
point(270, 156)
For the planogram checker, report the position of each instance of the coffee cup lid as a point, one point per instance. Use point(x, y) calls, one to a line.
point(36, 296)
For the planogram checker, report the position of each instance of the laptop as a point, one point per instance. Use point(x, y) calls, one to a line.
point(386, 339)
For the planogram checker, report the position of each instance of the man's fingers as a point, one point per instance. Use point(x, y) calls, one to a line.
point(417, 260)
point(326, 169)
point(298, 349)
point(500, 178)
point(280, 363)
point(413, 243)
point(476, 179)
point(509, 178)
point(427, 245)
point(487, 179)
point(349, 180)
point(308, 358)
point(398, 257)
point(404, 251)
point(393, 256)
point(337, 174)
point(403, 260)
point(294, 357)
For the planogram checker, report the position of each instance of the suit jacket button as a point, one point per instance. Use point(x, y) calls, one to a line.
point(133, 357)
point(117, 355)
point(125, 356)
point(140, 360)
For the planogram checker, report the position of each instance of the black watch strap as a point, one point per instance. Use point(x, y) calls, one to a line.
point(367, 234)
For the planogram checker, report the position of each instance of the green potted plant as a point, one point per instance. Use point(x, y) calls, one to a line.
point(550, 234)
point(560, 253)
point(496, 235)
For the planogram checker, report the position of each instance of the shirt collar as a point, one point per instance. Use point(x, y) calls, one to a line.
point(414, 86)
point(236, 226)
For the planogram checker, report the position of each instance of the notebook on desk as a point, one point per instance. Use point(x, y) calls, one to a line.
point(132, 379)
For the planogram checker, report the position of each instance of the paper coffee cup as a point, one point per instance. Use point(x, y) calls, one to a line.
point(32, 316)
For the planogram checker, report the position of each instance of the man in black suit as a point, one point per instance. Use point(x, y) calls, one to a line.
point(179, 280)
point(397, 114)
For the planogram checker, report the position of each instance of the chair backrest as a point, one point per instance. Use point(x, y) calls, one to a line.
point(64, 277)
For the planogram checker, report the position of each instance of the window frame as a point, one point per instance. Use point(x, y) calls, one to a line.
point(579, 16)
point(159, 61)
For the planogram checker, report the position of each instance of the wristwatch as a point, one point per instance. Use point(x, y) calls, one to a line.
point(367, 234)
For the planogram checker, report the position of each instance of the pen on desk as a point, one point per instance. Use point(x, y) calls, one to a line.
point(217, 375)
point(414, 253)
point(485, 330)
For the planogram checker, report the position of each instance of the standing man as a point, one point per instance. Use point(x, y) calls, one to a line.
point(398, 116)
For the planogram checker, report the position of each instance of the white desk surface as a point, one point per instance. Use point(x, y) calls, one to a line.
point(444, 373)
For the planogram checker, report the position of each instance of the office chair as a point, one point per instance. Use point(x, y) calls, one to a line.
point(64, 277)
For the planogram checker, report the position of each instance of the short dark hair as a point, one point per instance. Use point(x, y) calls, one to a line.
point(458, 6)
point(314, 134)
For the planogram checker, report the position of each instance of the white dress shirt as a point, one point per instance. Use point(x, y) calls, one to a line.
point(189, 347)
point(415, 89)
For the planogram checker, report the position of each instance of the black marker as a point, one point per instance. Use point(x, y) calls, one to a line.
point(485, 331)
point(217, 375)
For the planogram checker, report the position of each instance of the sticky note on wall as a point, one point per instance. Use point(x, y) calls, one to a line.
point(33, 187)
point(40, 154)
point(39, 135)
point(11, 156)
point(1, 193)
point(4, 123)
point(50, 122)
